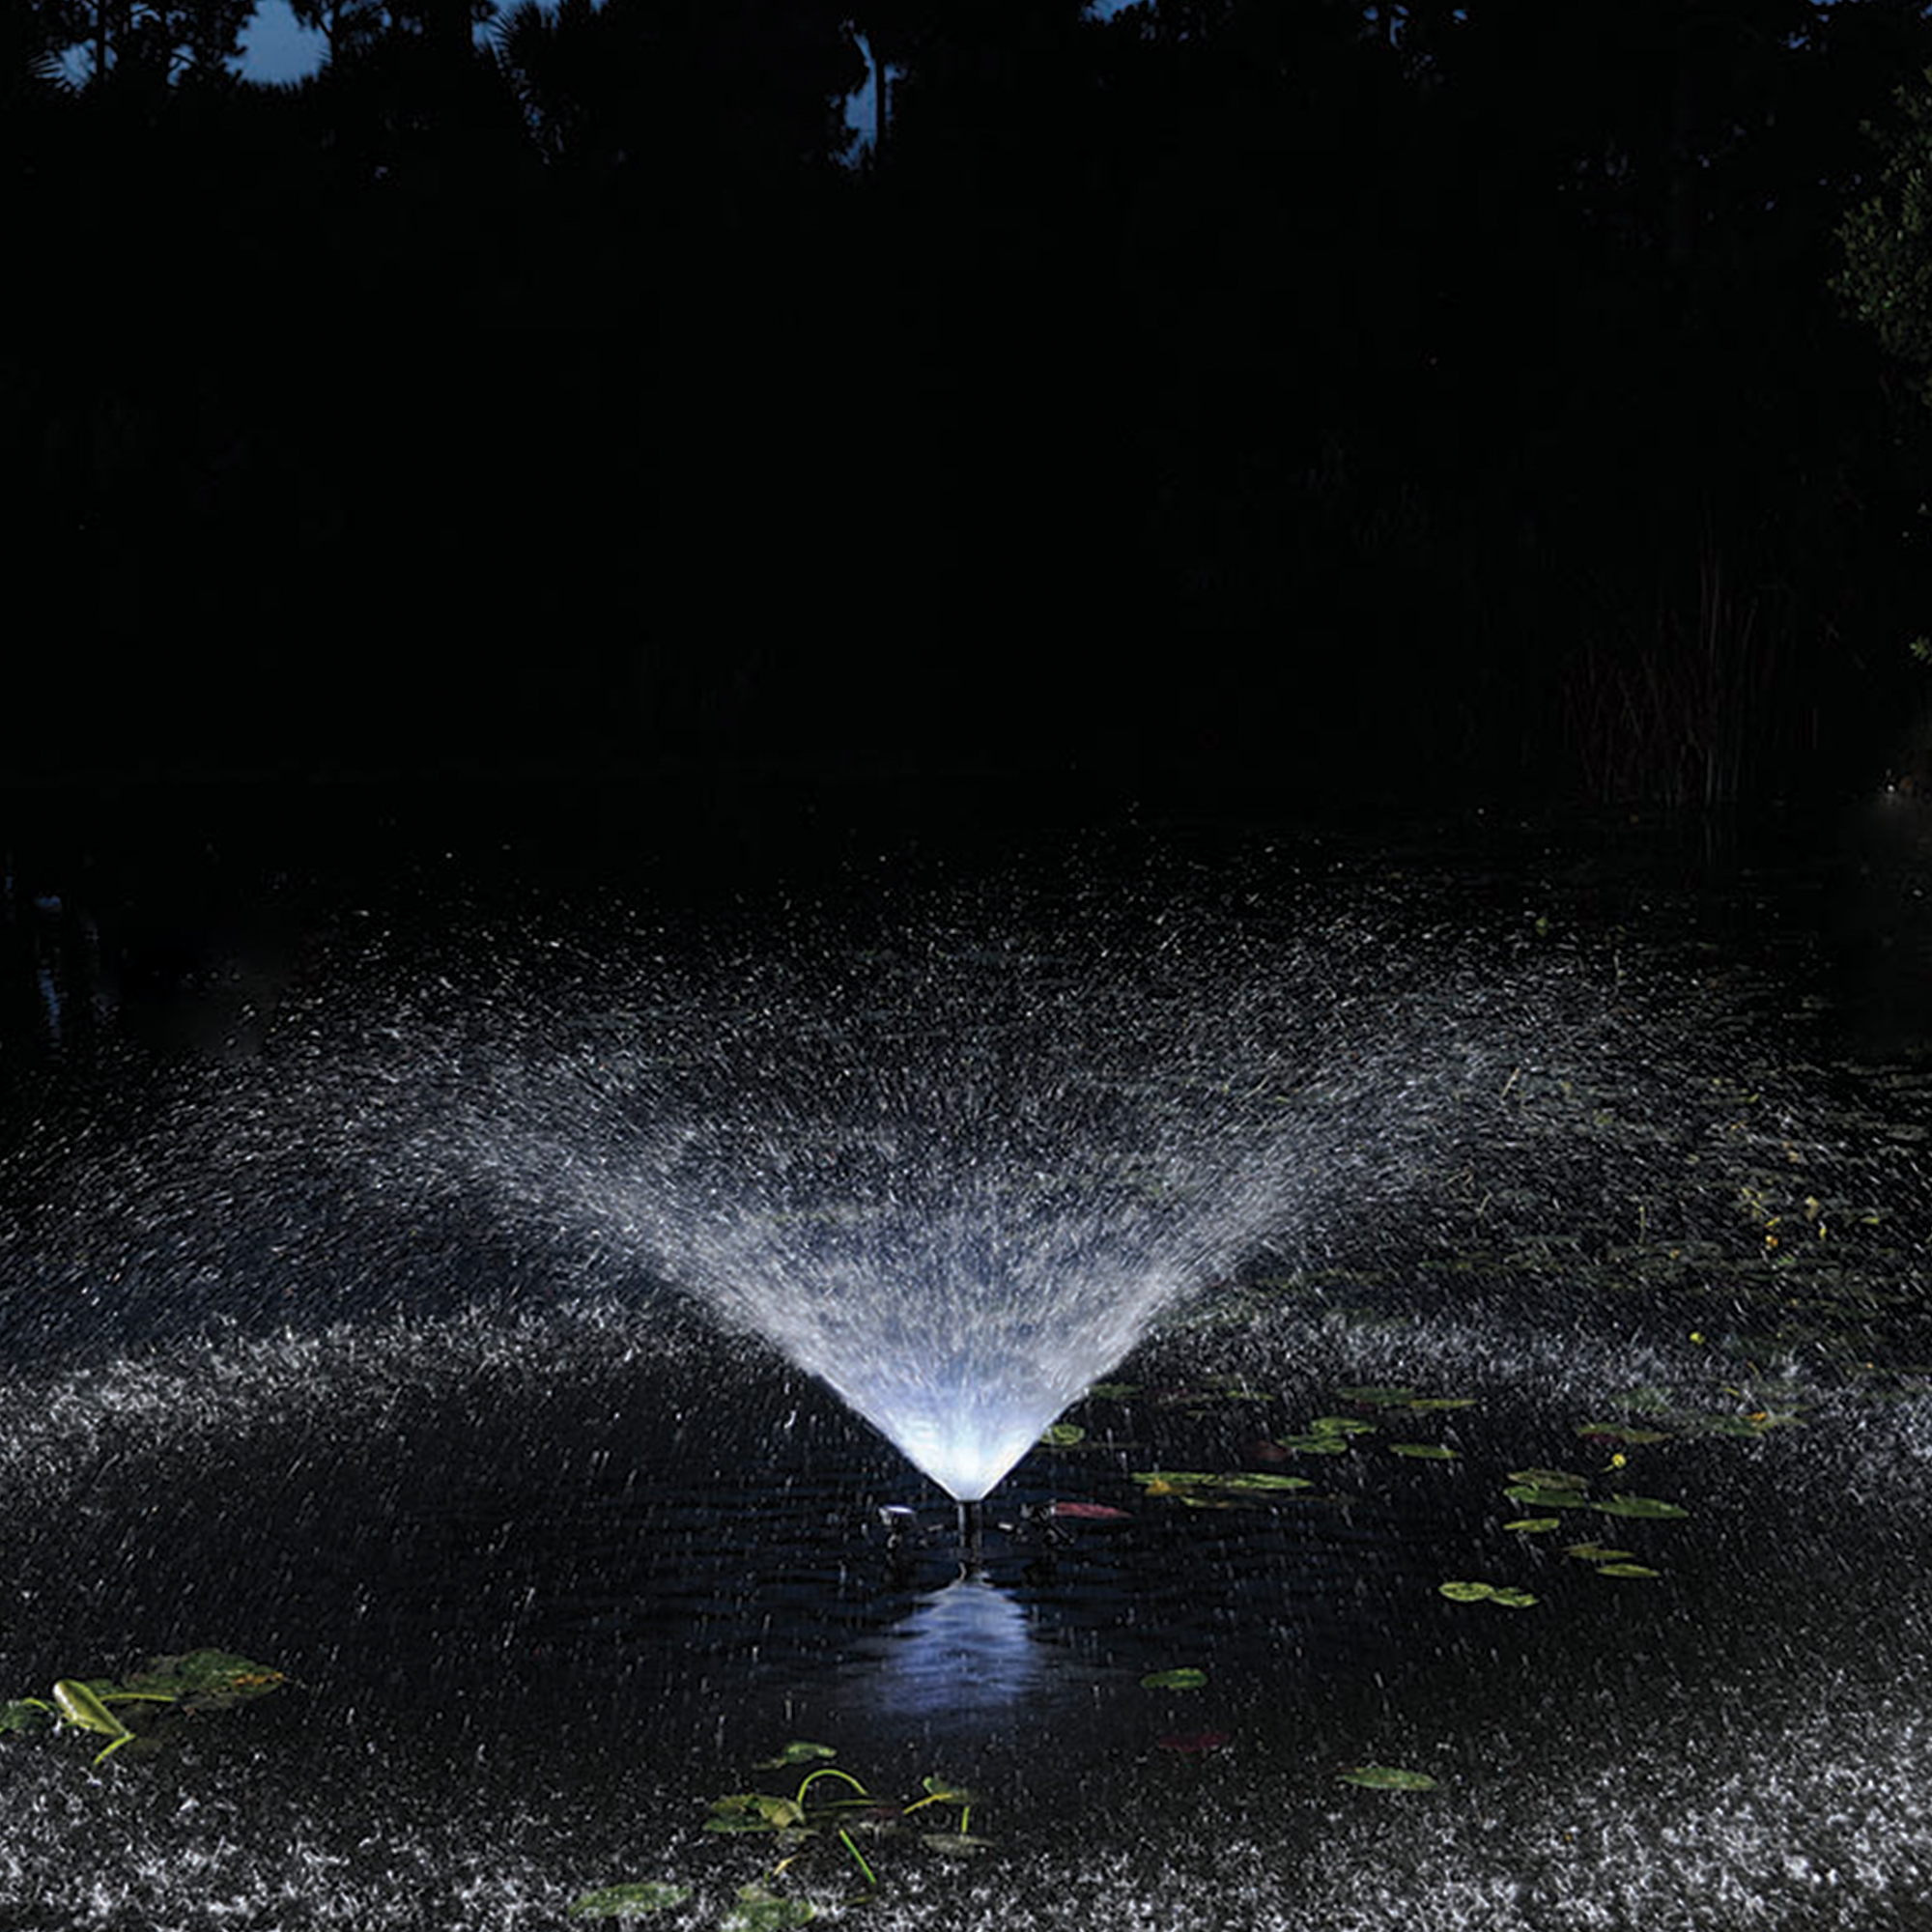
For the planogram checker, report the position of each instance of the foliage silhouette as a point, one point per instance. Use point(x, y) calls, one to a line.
point(1407, 378)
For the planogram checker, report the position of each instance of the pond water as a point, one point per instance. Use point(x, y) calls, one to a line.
point(1554, 1220)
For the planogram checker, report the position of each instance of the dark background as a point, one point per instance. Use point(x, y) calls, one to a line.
point(1332, 401)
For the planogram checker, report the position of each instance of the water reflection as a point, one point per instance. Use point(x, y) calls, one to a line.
point(966, 1651)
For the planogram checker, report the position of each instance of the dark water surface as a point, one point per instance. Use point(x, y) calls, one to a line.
point(1620, 1139)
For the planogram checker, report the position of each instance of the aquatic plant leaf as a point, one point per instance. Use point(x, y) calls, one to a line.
point(1534, 1497)
point(1260, 1479)
point(1533, 1525)
point(1640, 1506)
point(1173, 1479)
point(1187, 1679)
point(205, 1680)
point(1193, 1743)
point(1487, 1593)
point(22, 1715)
point(1429, 1404)
point(1596, 1552)
point(754, 1811)
point(1091, 1512)
point(1062, 1435)
point(1621, 1432)
point(943, 1791)
point(1423, 1452)
point(1628, 1569)
point(1341, 1424)
point(1329, 1442)
point(1386, 1777)
point(629, 1902)
point(798, 1751)
point(760, 1911)
point(1114, 1391)
point(1549, 1479)
point(954, 1844)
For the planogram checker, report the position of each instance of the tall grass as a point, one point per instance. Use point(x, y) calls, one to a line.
point(1696, 704)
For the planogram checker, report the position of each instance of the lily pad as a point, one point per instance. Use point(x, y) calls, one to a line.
point(943, 1791)
point(797, 1751)
point(1423, 1452)
point(1187, 1679)
point(1487, 1593)
point(1328, 1442)
point(755, 1812)
point(205, 1680)
point(20, 1713)
point(1193, 1743)
point(1091, 1512)
point(1533, 1525)
point(1549, 1479)
point(1259, 1479)
point(1114, 1391)
point(1640, 1506)
point(954, 1844)
point(1429, 1404)
point(1062, 1435)
point(1597, 1552)
point(1628, 1569)
point(1386, 1777)
point(629, 1902)
point(760, 1911)
point(1621, 1432)
point(1341, 1424)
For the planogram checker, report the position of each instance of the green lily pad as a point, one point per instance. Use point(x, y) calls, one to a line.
point(1640, 1506)
point(1259, 1479)
point(629, 1902)
point(1187, 1679)
point(1329, 1442)
point(760, 1911)
point(20, 1713)
point(1628, 1569)
point(1487, 1593)
point(755, 1812)
point(943, 1791)
point(205, 1680)
point(1429, 1404)
point(1386, 1777)
point(1341, 1424)
point(954, 1844)
point(1621, 1432)
point(1549, 1479)
point(1597, 1552)
point(1062, 1435)
point(1533, 1525)
point(1423, 1452)
point(797, 1751)
point(1114, 1391)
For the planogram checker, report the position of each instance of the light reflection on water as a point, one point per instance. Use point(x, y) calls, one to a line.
point(553, 1564)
